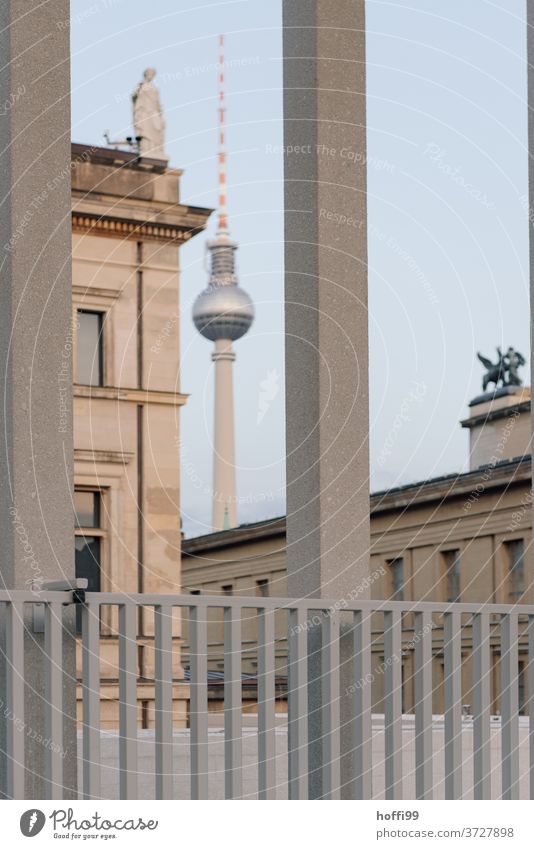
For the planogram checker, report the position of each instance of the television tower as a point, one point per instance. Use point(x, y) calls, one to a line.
point(222, 313)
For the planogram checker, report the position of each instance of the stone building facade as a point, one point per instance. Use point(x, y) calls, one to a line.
point(462, 537)
point(127, 227)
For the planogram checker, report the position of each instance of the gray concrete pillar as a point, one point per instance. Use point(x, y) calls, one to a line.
point(36, 510)
point(326, 318)
point(530, 106)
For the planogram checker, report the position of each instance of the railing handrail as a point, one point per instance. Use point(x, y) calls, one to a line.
point(271, 603)
point(37, 596)
point(281, 603)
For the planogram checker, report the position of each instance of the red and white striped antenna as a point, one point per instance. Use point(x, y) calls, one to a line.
point(223, 215)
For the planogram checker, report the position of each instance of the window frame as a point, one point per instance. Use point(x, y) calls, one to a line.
point(101, 344)
point(396, 594)
point(97, 495)
point(101, 531)
point(262, 583)
point(98, 532)
point(515, 569)
point(451, 572)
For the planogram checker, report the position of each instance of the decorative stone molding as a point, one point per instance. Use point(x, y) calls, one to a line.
point(137, 396)
point(95, 294)
point(93, 456)
point(131, 229)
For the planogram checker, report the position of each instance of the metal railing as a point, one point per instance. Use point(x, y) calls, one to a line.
point(343, 664)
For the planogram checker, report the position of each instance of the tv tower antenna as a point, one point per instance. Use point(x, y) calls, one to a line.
point(223, 313)
point(223, 214)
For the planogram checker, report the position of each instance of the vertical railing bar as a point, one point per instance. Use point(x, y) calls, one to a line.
point(198, 615)
point(163, 669)
point(266, 705)
point(233, 744)
point(509, 707)
point(452, 649)
point(298, 704)
point(331, 719)
point(530, 673)
point(15, 699)
point(363, 730)
point(481, 706)
point(423, 705)
point(393, 704)
point(128, 701)
point(53, 695)
point(91, 700)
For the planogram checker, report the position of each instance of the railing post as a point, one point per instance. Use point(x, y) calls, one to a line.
point(128, 700)
point(266, 705)
point(55, 754)
point(509, 707)
point(393, 703)
point(91, 700)
point(164, 725)
point(423, 705)
point(362, 733)
point(452, 649)
point(482, 706)
point(15, 674)
point(331, 719)
point(198, 619)
point(297, 704)
point(530, 673)
point(233, 743)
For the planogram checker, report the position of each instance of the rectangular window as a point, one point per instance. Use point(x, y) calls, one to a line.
point(451, 569)
point(396, 573)
point(522, 687)
point(227, 589)
point(262, 588)
point(90, 349)
point(87, 542)
point(515, 550)
point(87, 508)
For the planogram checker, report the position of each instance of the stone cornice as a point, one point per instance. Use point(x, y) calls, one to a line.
point(93, 456)
point(130, 228)
point(136, 396)
point(119, 159)
point(503, 475)
point(246, 533)
point(95, 292)
point(500, 413)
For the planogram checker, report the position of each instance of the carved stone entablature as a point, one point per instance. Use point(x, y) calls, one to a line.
point(127, 229)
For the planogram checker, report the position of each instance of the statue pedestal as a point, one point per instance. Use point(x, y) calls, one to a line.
point(499, 425)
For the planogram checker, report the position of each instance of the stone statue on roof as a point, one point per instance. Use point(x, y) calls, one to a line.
point(505, 371)
point(148, 120)
point(514, 361)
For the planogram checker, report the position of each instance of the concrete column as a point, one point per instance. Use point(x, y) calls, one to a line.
point(326, 318)
point(36, 510)
point(224, 488)
point(530, 106)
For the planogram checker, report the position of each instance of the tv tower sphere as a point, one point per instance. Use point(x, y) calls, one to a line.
point(223, 310)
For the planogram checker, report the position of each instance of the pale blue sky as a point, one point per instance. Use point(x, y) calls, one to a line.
point(447, 227)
